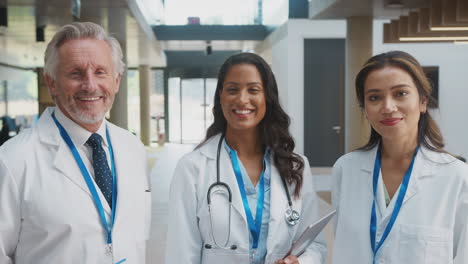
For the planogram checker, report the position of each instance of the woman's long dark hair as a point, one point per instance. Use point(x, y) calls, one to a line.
point(273, 129)
point(429, 134)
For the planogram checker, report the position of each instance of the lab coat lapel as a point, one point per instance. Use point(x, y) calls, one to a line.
point(209, 149)
point(64, 161)
point(63, 158)
point(228, 176)
point(367, 168)
point(66, 164)
point(421, 169)
point(278, 207)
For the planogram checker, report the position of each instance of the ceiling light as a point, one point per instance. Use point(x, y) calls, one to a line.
point(449, 28)
point(394, 4)
point(434, 39)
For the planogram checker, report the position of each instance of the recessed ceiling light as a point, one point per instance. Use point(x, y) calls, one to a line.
point(394, 4)
point(449, 28)
point(434, 38)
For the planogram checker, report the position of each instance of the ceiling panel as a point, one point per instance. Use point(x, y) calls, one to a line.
point(18, 46)
point(379, 9)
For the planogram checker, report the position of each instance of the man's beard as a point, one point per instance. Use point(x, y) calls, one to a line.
point(86, 115)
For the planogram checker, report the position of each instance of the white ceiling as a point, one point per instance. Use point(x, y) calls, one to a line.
point(18, 46)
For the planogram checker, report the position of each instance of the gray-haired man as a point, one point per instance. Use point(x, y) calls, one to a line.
point(74, 188)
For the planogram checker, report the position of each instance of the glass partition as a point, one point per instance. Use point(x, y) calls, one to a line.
point(212, 12)
point(190, 108)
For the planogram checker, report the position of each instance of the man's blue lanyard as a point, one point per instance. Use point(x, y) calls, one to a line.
point(398, 204)
point(107, 225)
point(255, 226)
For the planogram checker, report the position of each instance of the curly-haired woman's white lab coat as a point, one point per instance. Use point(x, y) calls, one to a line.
point(189, 221)
point(431, 226)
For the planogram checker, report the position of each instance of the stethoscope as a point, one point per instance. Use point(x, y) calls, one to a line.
point(291, 216)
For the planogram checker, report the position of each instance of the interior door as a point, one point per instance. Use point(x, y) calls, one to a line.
point(324, 76)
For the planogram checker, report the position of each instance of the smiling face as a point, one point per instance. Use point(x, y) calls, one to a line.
point(243, 98)
point(85, 83)
point(392, 103)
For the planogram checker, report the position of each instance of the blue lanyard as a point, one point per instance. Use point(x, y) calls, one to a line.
point(254, 225)
point(89, 181)
point(398, 204)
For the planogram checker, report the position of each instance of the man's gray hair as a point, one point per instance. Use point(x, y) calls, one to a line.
point(81, 30)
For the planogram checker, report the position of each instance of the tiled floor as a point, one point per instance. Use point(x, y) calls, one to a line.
point(163, 161)
point(161, 174)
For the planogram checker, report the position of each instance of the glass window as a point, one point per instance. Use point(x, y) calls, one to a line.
point(211, 12)
point(210, 92)
point(133, 90)
point(190, 108)
point(275, 12)
point(174, 110)
point(20, 98)
point(158, 130)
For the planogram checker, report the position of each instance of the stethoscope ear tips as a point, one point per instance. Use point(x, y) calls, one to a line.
point(233, 247)
point(208, 246)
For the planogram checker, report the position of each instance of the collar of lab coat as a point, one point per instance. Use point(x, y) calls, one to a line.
point(278, 199)
point(424, 167)
point(49, 134)
point(78, 134)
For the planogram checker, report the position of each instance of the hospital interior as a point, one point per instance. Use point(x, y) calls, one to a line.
point(173, 50)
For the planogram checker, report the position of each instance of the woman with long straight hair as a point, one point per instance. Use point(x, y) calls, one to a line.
point(401, 197)
point(243, 195)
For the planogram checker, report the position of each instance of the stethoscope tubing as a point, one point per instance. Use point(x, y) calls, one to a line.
point(292, 216)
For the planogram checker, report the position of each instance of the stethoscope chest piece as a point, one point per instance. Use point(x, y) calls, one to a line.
point(292, 217)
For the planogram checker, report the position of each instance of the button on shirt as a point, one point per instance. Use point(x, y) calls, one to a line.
point(79, 136)
point(252, 196)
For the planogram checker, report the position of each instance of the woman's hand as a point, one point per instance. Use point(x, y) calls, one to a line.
point(288, 260)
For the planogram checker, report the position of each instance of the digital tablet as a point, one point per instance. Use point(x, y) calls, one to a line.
point(309, 235)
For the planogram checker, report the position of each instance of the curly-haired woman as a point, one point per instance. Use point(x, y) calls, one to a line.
point(269, 185)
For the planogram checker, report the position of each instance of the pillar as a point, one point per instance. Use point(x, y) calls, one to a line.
point(117, 27)
point(44, 98)
point(358, 51)
point(145, 93)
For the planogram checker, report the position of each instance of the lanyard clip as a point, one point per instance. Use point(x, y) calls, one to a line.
point(109, 249)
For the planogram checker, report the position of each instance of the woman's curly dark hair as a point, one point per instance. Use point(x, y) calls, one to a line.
point(273, 129)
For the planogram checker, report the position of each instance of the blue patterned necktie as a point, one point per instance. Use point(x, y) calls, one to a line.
point(102, 173)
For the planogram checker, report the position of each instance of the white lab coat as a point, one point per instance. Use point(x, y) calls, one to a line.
point(47, 214)
point(431, 226)
point(189, 221)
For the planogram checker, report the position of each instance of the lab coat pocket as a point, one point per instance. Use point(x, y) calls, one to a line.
point(224, 256)
point(270, 259)
point(216, 222)
point(424, 245)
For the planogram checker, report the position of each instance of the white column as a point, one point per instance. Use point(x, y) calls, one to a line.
point(358, 51)
point(145, 93)
point(117, 27)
